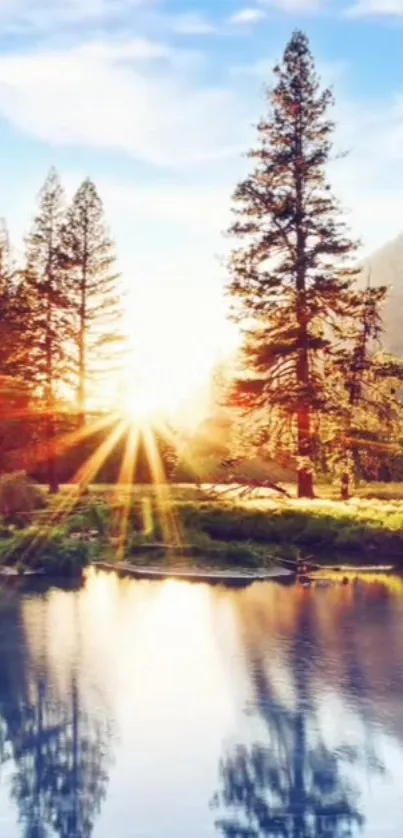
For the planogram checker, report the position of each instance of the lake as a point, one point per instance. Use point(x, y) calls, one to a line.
point(171, 710)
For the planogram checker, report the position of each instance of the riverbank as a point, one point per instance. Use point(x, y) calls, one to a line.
point(188, 529)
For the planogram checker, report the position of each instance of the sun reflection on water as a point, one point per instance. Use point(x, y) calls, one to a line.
point(189, 687)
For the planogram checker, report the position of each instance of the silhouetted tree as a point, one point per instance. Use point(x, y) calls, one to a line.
point(59, 752)
point(291, 784)
point(50, 303)
point(90, 263)
point(291, 787)
point(289, 285)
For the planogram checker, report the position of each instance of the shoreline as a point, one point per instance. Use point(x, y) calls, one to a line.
point(206, 540)
point(231, 578)
point(210, 577)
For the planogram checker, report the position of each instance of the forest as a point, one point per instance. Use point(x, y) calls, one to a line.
point(310, 397)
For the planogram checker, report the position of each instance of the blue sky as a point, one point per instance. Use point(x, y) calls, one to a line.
point(156, 102)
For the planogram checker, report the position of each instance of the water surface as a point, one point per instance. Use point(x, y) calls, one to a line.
point(169, 710)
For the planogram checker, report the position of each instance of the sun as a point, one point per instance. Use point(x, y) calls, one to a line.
point(141, 405)
point(167, 371)
point(158, 392)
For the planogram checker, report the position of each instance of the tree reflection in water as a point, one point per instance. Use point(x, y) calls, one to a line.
point(293, 785)
point(59, 752)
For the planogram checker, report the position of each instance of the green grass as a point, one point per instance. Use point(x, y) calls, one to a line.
point(223, 532)
point(46, 549)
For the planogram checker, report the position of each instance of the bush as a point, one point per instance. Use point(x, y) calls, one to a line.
point(19, 497)
point(86, 517)
point(46, 549)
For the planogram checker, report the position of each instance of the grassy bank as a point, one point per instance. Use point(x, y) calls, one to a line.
point(188, 528)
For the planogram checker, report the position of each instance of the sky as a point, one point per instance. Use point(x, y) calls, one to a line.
point(156, 101)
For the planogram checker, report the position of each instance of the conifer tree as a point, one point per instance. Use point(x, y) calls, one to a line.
point(356, 364)
point(14, 346)
point(364, 392)
point(93, 280)
point(49, 302)
point(15, 379)
point(12, 340)
point(290, 283)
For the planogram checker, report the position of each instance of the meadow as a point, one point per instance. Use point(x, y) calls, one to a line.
point(201, 527)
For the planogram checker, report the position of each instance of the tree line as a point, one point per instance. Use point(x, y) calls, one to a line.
point(311, 389)
point(60, 311)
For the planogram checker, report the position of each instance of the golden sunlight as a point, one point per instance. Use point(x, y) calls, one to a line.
point(166, 378)
point(140, 404)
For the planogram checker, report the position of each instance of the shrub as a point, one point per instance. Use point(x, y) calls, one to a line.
point(89, 517)
point(19, 496)
point(46, 549)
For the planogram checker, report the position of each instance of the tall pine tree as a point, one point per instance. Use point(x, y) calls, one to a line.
point(16, 382)
point(93, 282)
point(44, 278)
point(13, 345)
point(289, 282)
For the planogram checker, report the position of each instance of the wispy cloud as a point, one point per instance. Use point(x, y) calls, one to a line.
point(294, 5)
point(191, 23)
point(134, 96)
point(385, 8)
point(146, 105)
point(34, 15)
point(248, 16)
point(135, 49)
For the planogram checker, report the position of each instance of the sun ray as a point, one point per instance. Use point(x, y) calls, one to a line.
point(57, 446)
point(91, 467)
point(125, 479)
point(65, 503)
point(178, 441)
point(169, 520)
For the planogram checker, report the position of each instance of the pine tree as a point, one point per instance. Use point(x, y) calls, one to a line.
point(357, 365)
point(289, 283)
point(364, 394)
point(44, 280)
point(93, 281)
point(14, 347)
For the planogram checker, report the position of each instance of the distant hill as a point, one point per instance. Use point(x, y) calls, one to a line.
point(386, 268)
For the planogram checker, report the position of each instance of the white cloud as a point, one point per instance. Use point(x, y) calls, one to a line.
point(136, 49)
point(87, 96)
point(247, 16)
point(191, 23)
point(133, 96)
point(46, 14)
point(295, 5)
point(386, 8)
point(200, 208)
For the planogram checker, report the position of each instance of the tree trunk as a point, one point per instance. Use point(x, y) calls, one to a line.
point(82, 360)
point(53, 482)
point(345, 486)
point(305, 484)
point(305, 473)
point(50, 401)
point(81, 385)
point(82, 372)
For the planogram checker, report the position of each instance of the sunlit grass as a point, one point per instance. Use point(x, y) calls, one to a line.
point(170, 522)
point(215, 521)
point(123, 501)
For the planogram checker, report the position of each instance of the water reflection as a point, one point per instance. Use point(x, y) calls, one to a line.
point(299, 647)
point(59, 746)
point(282, 706)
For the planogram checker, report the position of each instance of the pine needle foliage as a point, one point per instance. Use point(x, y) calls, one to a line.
point(291, 283)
